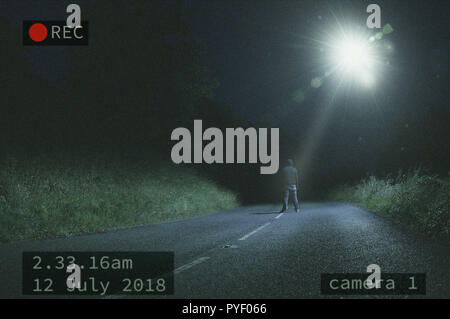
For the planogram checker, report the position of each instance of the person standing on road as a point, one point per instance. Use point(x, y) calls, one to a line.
point(289, 175)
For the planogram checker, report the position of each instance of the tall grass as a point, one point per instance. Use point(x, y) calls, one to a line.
point(415, 198)
point(45, 198)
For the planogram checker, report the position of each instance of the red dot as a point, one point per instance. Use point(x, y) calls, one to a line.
point(38, 32)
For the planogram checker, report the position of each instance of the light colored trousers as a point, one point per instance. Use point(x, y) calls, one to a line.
point(291, 189)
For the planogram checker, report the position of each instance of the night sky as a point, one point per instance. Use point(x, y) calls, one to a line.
point(263, 51)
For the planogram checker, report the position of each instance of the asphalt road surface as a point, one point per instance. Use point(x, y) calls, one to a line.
point(254, 252)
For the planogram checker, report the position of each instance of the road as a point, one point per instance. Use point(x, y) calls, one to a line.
point(269, 255)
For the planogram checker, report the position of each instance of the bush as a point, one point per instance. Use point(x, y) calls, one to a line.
point(45, 198)
point(415, 198)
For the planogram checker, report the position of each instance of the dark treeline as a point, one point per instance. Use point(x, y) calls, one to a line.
point(141, 76)
point(417, 140)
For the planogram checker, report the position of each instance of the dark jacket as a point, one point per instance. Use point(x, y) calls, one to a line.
point(289, 175)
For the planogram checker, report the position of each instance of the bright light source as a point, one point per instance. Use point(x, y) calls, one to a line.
point(354, 58)
point(353, 55)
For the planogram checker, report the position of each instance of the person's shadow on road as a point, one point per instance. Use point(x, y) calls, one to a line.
point(266, 213)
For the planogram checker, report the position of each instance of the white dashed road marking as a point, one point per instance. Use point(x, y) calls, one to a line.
point(175, 272)
point(190, 265)
point(254, 232)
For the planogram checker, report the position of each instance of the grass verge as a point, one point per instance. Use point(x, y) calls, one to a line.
point(44, 198)
point(417, 199)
